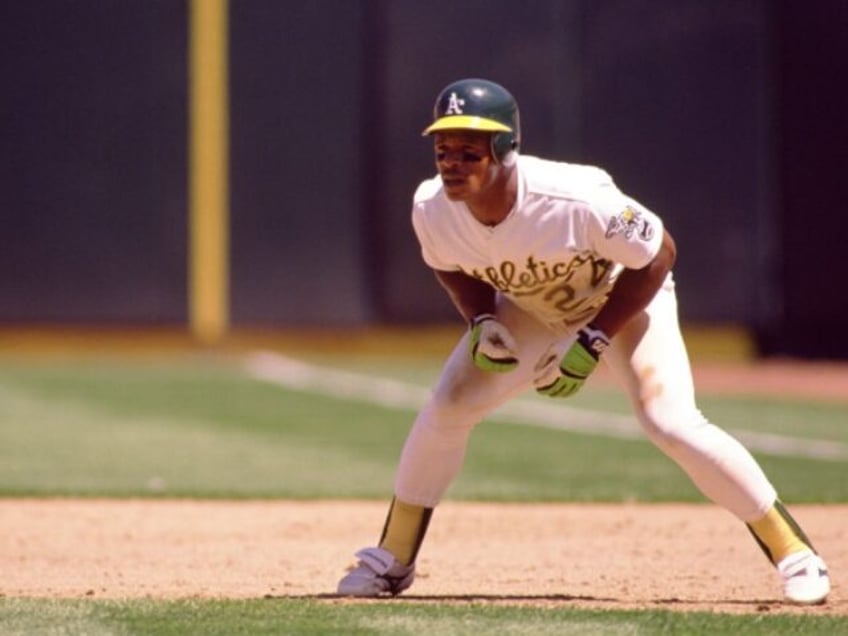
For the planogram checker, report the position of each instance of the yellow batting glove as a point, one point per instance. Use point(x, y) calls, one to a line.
point(578, 363)
point(492, 346)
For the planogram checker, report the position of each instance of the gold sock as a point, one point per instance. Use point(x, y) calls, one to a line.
point(404, 531)
point(778, 534)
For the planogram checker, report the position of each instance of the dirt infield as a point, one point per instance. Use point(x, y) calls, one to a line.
point(679, 557)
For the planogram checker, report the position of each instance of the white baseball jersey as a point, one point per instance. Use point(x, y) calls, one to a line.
point(560, 249)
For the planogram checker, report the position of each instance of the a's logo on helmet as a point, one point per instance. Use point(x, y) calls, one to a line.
point(455, 105)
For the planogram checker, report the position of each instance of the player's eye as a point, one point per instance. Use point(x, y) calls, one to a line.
point(465, 156)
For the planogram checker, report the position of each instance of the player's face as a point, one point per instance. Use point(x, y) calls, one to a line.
point(465, 163)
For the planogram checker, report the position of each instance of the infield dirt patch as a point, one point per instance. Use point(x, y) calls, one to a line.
point(679, 557)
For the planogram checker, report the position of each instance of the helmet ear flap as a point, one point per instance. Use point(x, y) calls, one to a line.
point(503, 145)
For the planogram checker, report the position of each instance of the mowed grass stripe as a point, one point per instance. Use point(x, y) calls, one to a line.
point(298, 375)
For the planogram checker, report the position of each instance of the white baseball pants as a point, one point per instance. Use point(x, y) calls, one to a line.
point(649, 360)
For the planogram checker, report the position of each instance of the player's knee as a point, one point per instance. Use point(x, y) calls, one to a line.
point(663, 438)
point(463, 394)
point(672, 430)
point(442, 414)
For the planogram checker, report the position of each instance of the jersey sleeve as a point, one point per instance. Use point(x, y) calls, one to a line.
point(623, 230)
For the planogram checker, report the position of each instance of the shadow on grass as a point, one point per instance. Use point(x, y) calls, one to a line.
point(757, 605)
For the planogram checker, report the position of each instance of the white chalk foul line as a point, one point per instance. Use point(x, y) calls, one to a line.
point(302, 376)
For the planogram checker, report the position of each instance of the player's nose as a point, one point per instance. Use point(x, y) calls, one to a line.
point(446, 158)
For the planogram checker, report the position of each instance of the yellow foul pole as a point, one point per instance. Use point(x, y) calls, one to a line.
point(208, 171)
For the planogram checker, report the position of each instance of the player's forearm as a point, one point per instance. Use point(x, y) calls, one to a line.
point(470, 296)
point(634, 289)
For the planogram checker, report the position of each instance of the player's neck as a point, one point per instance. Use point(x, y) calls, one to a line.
point(494, 204)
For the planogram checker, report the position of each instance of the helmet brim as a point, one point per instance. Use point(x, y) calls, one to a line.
point(465, 122)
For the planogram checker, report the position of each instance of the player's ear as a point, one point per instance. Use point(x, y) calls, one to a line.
point(509, 159)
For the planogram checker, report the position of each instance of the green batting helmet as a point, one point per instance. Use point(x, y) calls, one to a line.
point(478, 104)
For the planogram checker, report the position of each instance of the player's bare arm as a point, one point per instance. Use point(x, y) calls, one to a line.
point(635, 288)
point(470, 296)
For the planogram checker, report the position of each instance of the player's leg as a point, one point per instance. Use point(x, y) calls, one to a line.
point(649, 358)
point(435, 448)
point(464, 394)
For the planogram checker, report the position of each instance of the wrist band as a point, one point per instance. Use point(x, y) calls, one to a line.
point(594, 340)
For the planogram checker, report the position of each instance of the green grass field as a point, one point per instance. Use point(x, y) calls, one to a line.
point(26, 617)
point(199, 425)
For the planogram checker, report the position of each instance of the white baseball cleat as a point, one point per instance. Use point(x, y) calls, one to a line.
point(805, 578)
point(378, 572)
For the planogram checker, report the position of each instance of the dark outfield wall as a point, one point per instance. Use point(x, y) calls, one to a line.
point(297, 163)
point(811, 146)
point(92, 185)
point(703, 110)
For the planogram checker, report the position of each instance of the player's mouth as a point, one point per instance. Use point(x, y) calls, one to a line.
point(455, 187)
point(454, 180)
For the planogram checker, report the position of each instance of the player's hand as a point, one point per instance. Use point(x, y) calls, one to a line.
point(492, 346)
point(578, 363)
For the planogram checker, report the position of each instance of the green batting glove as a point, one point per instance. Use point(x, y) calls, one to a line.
point(492, 346)
point(578, 363)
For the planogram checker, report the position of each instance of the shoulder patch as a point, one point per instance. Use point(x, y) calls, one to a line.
point(630, 222)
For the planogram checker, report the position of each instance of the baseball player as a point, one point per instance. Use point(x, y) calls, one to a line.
point(555, 269)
